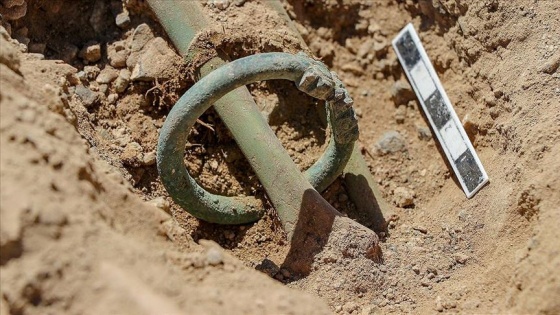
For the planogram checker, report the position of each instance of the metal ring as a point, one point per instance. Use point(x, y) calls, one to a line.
point(310, 76)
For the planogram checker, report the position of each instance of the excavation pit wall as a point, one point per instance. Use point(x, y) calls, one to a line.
point(82, 201)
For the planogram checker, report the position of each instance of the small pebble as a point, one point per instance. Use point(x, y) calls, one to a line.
point(112, 98)
point(214, 257)
point(123, 80)
point(91, 72)
point(450, 304)
point(153, 61)
point(132, 154)
point(219, 4)
point(461, 258)
point(353, 68)
point(103, 88)
point(53, 218)
point(24, 31)
point(117, 54)
point(400, 114)
point(391, 142)
point(88, 97)
point(91, 52)
point(424, 133)
point(432, 270)
point(551, 65)
point(214, 165)
point(402, 93)
point(107, 75)
point(403, 197)
point(439, 304)
point(373, 27)
point(123, 19)
point(197, 260)
point(149, 158)
point(82, 76)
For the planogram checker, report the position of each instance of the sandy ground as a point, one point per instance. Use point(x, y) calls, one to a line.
point(87, 227)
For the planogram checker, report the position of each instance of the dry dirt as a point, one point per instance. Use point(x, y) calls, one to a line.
point(87, 227)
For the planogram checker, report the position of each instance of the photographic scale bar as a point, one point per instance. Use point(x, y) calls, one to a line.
point(445, 123)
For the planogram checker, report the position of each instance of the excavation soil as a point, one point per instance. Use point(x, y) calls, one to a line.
point(87, 227)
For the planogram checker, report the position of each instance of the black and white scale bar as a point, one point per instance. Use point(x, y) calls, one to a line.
point(448, 129)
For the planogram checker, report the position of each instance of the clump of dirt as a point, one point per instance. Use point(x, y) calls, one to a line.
point(86, 86)
point(528, 204)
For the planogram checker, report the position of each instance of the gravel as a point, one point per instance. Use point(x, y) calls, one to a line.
point(214, 257)
point(91, 52)
point(88, 97)
point(391, 142)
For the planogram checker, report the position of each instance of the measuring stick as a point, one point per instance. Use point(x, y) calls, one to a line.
point(443, 119)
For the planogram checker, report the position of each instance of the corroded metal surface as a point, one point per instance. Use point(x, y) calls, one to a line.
point(311, 77)
point(362, 188)
point(183, 20)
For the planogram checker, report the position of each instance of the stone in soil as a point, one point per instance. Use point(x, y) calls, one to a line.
point(132, 154)
point(91, 52)
point(403, 197)
point(439, 304)
point(402, 93)
point(219, 4)
point(149, 158)
point(107, 75)
point(91, 72)
point(461, 258)
point(154, 61)
point(123, 20)
point(122, 81)
point(140, 37)
point(391, 142)
point(424, 133)
point(551, 65)
point(400, 114)
point(88, 97)
point(214, 256)
point(117, 54)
